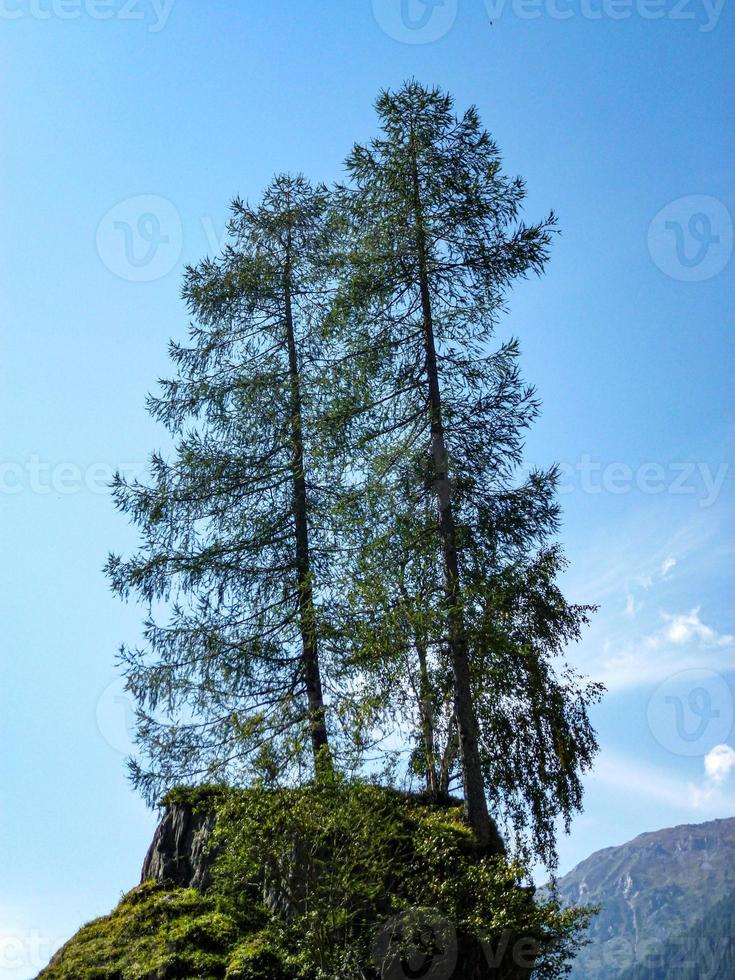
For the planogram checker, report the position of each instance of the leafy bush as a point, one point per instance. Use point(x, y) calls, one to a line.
point(347, 871)
point(340, 881)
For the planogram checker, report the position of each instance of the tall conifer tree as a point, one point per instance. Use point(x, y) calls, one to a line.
point(437, 422)
point(232, 535)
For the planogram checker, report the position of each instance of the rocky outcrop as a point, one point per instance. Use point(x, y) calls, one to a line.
point(179, 854)
point(172, 927)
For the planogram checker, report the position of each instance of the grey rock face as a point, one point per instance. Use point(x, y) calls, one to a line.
point(178, 854)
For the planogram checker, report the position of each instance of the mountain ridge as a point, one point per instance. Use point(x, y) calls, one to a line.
point(651, 890)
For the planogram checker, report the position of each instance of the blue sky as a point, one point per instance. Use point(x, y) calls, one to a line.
point(128, 125)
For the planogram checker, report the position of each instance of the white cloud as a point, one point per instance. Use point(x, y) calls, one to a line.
point(686, 627)
point(632, 608)
point(683, 642)
point(667, 565)
point(719, 763)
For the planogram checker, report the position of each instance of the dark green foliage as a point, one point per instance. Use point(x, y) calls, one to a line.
point(707, 950)
point(234, 545)
point(332, 882)
point(454, 609)
point(346, 865)
point(259, 958)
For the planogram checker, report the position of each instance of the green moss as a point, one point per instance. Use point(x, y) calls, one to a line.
point(259, 958)
point(199, 798)
point(153, 933)
point(305, 882)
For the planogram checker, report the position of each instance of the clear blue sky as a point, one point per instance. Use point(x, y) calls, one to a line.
point(612, 111)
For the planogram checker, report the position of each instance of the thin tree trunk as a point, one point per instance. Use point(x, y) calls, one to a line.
point(427, 720)
point(307, 612)
point(448, 757)
point(474, 789)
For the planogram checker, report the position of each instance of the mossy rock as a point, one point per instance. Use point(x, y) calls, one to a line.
point(258, 958)
point(309, 883)
point(154, 934)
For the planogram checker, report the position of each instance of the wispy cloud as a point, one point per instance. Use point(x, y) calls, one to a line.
point(683, 641)
point(632, 606)
point(667, 565)
point(703, 800)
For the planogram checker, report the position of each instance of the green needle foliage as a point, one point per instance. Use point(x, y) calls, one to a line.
point(344, 547)
point(234, 541)
point(453, 579)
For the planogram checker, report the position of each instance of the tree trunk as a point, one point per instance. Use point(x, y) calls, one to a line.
point(474, 789)
point(307, 612)
point(427, 720)
point(448, 757)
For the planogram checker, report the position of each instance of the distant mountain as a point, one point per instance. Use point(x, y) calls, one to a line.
point(705, 952)
point(658, 894)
